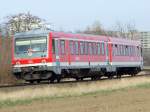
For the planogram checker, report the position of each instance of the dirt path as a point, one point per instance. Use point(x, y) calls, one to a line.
point(129, 100)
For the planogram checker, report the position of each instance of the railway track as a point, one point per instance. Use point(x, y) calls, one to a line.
point(66, 82)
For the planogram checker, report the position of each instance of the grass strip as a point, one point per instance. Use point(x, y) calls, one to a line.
point(11, 103)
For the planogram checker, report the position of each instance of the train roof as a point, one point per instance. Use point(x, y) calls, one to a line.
point(45, 32)
point(32, 33)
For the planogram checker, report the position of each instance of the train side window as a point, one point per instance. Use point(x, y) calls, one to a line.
point(103, 49)
point(137, 51)
point(71, 47)
point(129, 50)
point(126, 51)
point(112, 46)
point(121, 50)
point(141, 51)
point(116, 50)
point(98, 49)
point(134, 51)
point(86, 48)
point(90, 48)
point(76, 48)
point(82, 48)
point(113, 50)
point(122, 53)
point(53, 46)
point(62, 44)
point(94, 48)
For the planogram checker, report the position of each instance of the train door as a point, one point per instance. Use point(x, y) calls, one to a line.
point(90, 52)
point(57, 52)
point(64, 53)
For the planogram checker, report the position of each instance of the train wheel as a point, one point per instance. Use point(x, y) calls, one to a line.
point(52, 79)
point(92, 78)
point(77, 78)
point(132, 75)
point(31, 81)
point(38, 81)
point(110, 76)
point(118, 76)
point(58, 79)
point(81, 78)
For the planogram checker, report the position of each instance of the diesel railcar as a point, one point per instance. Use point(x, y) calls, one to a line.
point(48, 55)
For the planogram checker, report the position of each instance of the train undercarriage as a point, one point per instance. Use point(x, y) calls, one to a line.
point(32, 74)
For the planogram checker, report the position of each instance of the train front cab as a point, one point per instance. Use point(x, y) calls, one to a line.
point(32, 56)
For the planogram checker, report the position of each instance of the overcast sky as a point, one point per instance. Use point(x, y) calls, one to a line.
point(72, 15)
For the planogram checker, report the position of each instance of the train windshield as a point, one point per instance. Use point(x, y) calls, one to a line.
point(31, 47)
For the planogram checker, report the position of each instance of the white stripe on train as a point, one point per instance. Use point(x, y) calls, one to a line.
point(81, 64)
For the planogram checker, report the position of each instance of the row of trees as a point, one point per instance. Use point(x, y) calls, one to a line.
point(26, 21)
point(119, 30)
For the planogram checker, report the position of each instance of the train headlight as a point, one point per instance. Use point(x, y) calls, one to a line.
point(17, 63)
point(43, 61)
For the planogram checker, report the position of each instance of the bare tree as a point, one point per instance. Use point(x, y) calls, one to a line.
point(23, 22)
point(95, 28)
point(132, 31)
point(124, 31)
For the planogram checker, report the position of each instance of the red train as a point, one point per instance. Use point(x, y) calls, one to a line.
point(47, 55)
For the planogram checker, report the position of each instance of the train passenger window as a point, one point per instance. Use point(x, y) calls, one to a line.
point(115, 50)
point(140, 51)
point(86, 48)
point(126, 51)
point(71, 47)
point(62, 44)
point(53, 46)
point(82, 48)
point(90, 48)
point(94, 49)
point(133, 49)
point(76, 48)
point(137, 51)
point(129, 51)
point(112, 46)
point(122, 50)
point(98, 49)
point(118, 50)
point(103, 49)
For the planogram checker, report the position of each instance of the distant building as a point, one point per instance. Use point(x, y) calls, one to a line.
point(145, 39)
